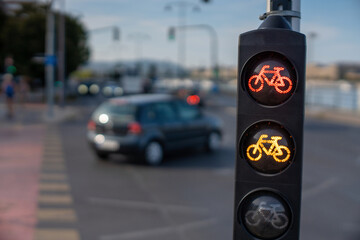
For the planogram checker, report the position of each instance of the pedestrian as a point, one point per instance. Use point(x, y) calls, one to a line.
point(8, 89)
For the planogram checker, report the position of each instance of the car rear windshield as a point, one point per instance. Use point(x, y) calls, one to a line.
point(119, 112)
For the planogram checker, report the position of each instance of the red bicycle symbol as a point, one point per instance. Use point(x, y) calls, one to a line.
point(281, 84)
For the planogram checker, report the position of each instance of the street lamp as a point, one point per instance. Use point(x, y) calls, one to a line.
point(214, 46)
point(182, 7)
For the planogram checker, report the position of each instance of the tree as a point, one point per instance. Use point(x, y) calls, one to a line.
point(22, 35)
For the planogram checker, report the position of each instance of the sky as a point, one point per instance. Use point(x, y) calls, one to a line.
point(335, 23)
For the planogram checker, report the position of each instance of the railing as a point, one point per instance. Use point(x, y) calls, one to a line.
point(333, 95)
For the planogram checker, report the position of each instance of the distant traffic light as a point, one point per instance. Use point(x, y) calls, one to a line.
point(171, 33)
point(116, 34)
point(271, 85)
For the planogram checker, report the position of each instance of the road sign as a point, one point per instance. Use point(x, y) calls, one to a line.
point(50, 60)
point(271, 84)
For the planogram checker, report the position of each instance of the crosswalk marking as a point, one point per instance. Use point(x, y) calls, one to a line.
point(53, 166)
point(53, 176)
point(54, 187)
point(63, 199)
point(54, 199)
point(56, 234)
point(56, 215)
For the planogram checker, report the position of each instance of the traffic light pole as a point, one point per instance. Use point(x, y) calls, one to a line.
point(182, 9)
point(61, 53)
point(290, 9)
point(50, 53)
point(270, 123)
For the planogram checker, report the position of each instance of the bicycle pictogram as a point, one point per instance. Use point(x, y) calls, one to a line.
point(280, 153)
point(282, 84)
point(267, 214)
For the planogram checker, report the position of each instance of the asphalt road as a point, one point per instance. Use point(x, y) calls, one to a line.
point(190, 197)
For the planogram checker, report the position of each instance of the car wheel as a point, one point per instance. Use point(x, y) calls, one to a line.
point(102, 156)
point(153, 153)
point(213, 142)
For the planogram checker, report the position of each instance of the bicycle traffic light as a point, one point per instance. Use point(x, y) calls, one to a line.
point(270, 118)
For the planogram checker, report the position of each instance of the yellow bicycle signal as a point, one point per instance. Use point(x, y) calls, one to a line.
point(280, 153)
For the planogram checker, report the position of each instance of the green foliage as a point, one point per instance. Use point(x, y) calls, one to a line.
point(22, 36)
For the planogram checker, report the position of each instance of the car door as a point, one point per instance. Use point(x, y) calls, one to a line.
point(195, 128)
point(171, 126)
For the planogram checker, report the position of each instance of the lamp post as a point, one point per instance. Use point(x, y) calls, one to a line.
point(214, 45)
point(182, 7)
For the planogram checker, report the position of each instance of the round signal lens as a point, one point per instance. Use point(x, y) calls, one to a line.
point(269, 78)
point(265, 215)
point(267, 147)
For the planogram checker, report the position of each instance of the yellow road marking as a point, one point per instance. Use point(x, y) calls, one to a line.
point(56, 215)
point(52, 176)
point(55, 199)
point(56, 234)
point(54, 187)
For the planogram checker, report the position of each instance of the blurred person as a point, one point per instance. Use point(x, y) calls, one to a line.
point(8, 88)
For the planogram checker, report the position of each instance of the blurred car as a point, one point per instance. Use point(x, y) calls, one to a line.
point(150, 125)
point(111, 89)
point(88, 88)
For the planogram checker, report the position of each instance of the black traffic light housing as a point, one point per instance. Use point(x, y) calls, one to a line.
point(270, 118)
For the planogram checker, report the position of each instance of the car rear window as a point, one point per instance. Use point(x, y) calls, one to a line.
point(120, 112)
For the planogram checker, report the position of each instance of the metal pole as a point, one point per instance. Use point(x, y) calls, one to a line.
point(61, 53)
point(49, 67)
point(268, 3)
point(295, 22)
point(214, 44)
point(288, 9)
point(182, 38)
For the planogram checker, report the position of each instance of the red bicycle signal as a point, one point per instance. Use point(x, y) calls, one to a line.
point(282, 84)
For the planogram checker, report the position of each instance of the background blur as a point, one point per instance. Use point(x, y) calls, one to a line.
point(65, 62)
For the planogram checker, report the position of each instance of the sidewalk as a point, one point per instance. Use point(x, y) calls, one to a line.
point(21, 155)
point(20, 159)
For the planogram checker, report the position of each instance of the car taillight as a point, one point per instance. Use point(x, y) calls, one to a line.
point(91, 125)
point(193, 100)
point(134, 128)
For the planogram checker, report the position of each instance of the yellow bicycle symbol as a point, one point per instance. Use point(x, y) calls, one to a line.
point(280, 153)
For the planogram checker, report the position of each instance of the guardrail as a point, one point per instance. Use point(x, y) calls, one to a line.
point(324, 94)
